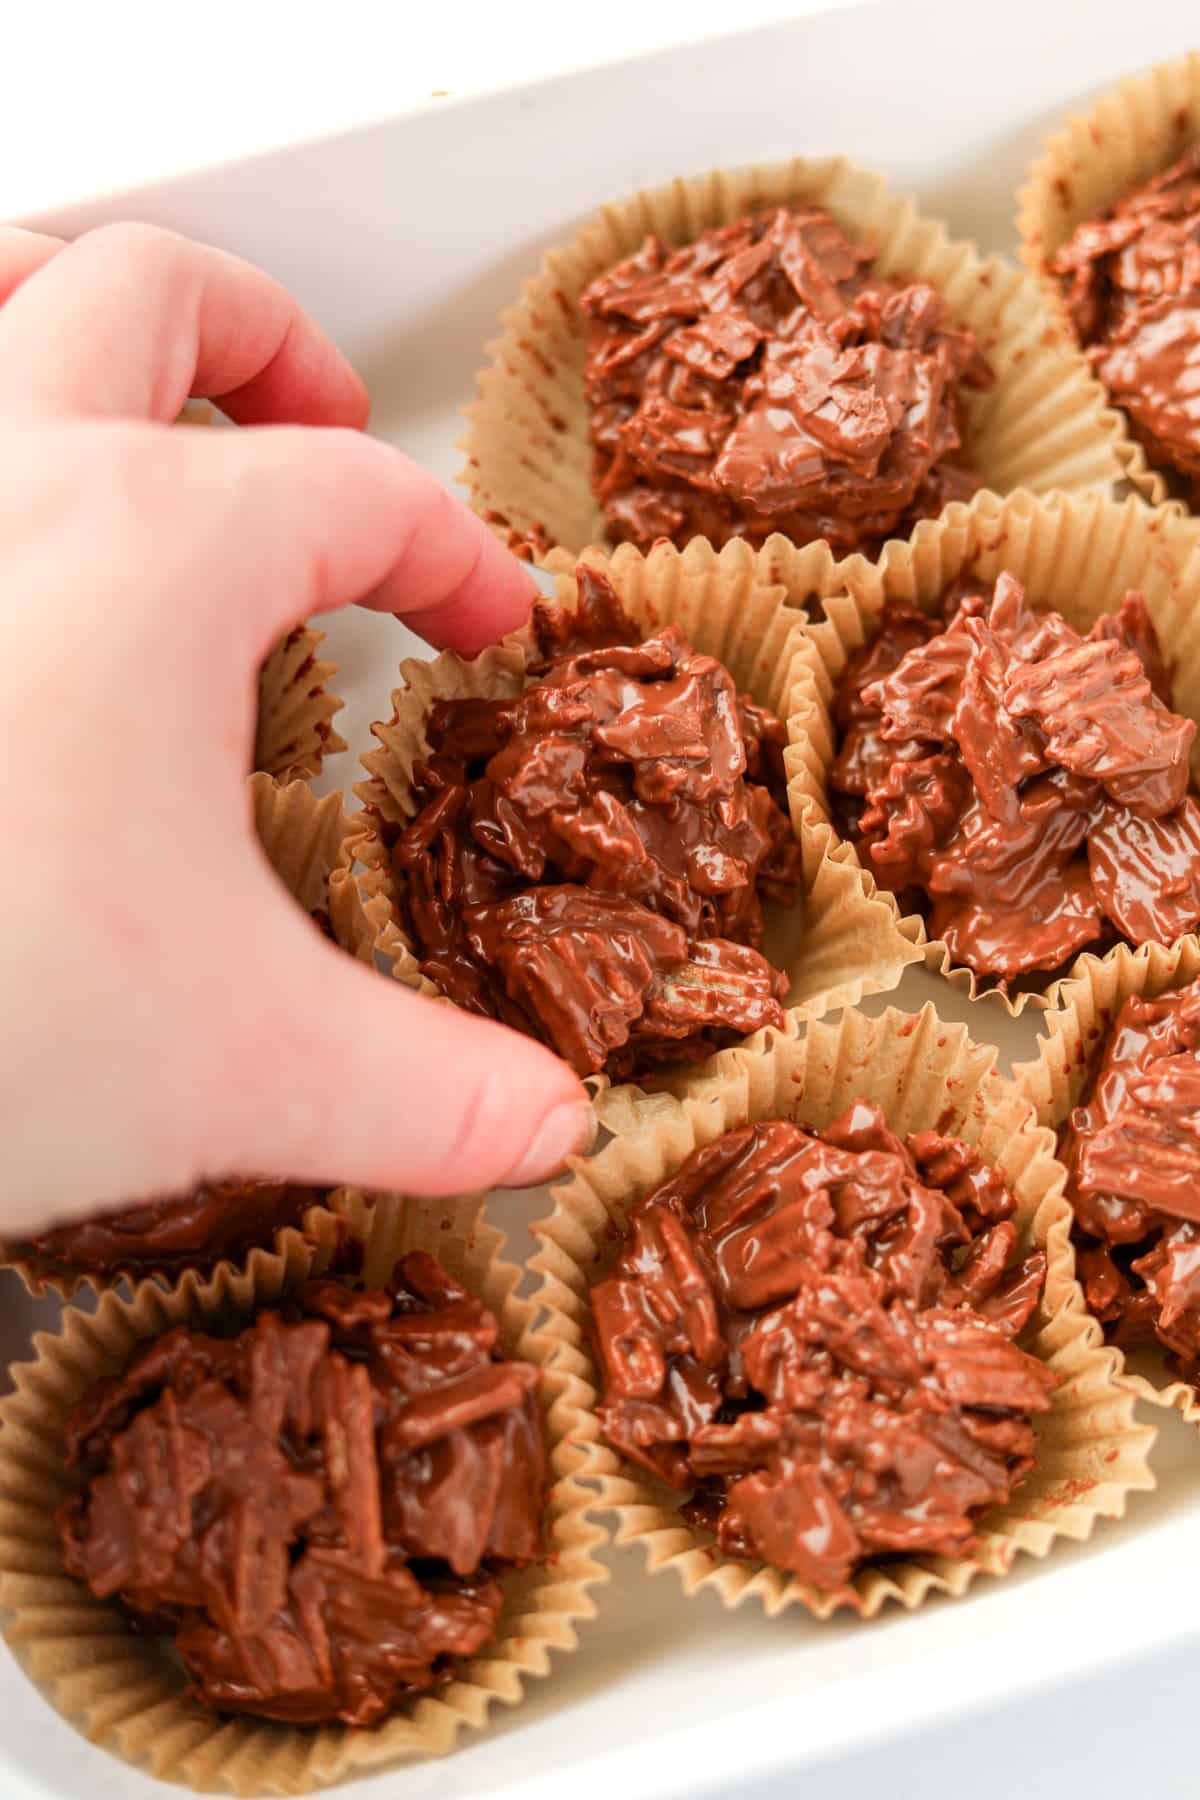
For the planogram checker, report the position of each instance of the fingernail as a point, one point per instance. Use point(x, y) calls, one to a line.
point(562, 1133)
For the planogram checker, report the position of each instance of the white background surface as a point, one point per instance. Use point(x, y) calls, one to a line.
point(105, 94)
point(405, 240)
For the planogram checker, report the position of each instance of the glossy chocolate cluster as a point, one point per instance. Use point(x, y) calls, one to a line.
point(764, 378)
point(589, 861)
point(317, 1509)
point(1133, 1154)
point(1026, 786)
point(1130, 277)
point(812, 1337)
point(217, 1219)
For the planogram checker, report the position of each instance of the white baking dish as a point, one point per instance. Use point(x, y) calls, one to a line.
point(405, 240)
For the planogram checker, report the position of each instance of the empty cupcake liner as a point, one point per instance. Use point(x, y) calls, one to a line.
point(305, 841)
point(295, 708)
point(1073, 1035)
point(1092, 1453)
point(1135, 130)
point(839, 941)
point(1043, 424)
point(125, 1692)
point(1077, 554)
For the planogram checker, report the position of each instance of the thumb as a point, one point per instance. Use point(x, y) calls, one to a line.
point(349, 1077)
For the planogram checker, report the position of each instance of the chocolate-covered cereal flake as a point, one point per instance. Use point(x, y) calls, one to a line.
point(316, 1510)
point(1026, 787)
point(1132, 1150)
point(811, 1338)
point(764, 378)
point(1130, 277)
point(589, 860)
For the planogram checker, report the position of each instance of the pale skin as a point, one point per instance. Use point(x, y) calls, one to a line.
point(166, 1011)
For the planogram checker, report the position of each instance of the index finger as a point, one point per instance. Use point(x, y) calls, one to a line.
point(306, 521)
point(131, 321)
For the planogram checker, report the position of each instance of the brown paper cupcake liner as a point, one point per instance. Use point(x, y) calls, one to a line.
point(295, 708)
point(1044, 423)
point(44, 1274)
point(125, 1692)
point(839, 941)
point(308, 843)
point(305, 840)
point(1092, 1453)
point(1133, 131)
point(1075, 553)
point(1073, 1035)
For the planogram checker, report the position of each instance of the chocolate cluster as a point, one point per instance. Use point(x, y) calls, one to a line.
point(811, 1336)
point(1024, 785)
point(195, 1230)
point(589, 860)
point(764, 378)
point(1133, 1156)
point(317, 1509)
point(1130, 277)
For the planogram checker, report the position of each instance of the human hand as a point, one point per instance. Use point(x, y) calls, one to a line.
point(167, 1011)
